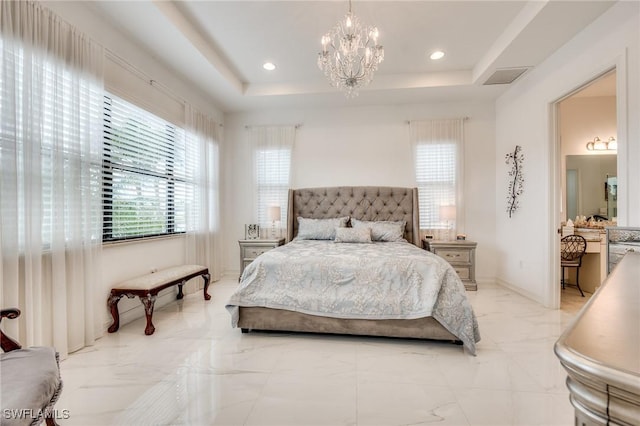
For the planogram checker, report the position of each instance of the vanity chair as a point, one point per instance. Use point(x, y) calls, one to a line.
point(572, 249)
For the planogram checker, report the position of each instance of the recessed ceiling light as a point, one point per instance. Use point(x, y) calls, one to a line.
point(269, 66)
point(438, 54)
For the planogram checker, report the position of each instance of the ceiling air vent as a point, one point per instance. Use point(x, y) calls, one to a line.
point(505, 75)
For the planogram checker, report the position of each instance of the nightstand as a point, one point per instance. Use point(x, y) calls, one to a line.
point(250, 249)
point(461, 254)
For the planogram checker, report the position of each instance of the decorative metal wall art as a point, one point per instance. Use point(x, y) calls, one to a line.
point(515, 158)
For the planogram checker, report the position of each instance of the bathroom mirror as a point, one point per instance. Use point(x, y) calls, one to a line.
point(591, 186)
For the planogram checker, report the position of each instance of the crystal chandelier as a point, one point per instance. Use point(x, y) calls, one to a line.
point(350, 54)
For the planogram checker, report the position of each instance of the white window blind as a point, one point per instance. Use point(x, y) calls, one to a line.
point(147, 173)
point(436, 181)
point(272, 179)
point(438, 150)
point(272, 150)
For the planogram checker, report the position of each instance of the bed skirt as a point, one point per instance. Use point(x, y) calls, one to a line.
point(268, 319)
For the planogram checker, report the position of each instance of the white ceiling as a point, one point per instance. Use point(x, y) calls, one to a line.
point(220, 46)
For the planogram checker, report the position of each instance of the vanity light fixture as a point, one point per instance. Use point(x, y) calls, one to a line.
point(598, 145)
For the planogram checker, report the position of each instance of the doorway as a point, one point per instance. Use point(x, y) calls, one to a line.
point(586, 126)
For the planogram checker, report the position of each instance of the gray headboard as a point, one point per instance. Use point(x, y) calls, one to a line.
point(359, 202)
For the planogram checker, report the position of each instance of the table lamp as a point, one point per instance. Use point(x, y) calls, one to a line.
point(273, 214)
point(448, 213)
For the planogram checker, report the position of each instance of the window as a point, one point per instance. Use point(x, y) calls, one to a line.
point(438, 169)
point(272, 147)
point(272, 180)
point(436, 180)
point(147, 173)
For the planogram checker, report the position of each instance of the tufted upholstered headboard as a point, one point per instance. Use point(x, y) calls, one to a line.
point(359, 202)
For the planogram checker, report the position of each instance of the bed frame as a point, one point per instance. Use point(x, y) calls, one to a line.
point(371, 203)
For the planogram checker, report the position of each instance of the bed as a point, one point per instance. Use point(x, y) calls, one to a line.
point(388, 287)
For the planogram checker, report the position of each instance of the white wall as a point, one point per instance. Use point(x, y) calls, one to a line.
point(527, 243)
point(364, 146)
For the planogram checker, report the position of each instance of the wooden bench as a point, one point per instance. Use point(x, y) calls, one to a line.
point(147, 287)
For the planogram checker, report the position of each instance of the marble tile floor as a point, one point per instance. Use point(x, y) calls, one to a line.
point(197, 370)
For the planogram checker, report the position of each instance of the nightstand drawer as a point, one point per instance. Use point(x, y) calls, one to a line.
point(253, 252)
point(463, 272)
point(453, 255)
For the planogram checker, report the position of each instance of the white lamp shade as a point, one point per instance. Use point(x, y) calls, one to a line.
point(273, 213)
point(447, 212)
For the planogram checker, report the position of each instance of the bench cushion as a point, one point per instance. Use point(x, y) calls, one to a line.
point(164, 276)
point(30, 380)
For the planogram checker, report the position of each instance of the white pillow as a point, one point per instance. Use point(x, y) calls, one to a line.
point(353, 235)
point(388, 231)
point(319, 229)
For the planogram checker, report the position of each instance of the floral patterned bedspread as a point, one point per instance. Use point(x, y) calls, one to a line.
point(390, 280)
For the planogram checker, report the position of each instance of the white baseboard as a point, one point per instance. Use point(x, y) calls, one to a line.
point(232, 273)
point(519, 290)
point(485, 281)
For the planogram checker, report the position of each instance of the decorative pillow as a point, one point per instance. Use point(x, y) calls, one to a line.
point(353, 235)
point(319, 229)
point(382, 230)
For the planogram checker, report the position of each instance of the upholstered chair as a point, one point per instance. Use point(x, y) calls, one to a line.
point(31, 382)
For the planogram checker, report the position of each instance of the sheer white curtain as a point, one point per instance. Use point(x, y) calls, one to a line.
point(203, 239)
point(272, 149)
point(50, 156)
point(438, 149)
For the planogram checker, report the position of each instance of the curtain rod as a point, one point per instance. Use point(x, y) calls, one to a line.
point(145, 77)
point(434, 119)
point(248, 126)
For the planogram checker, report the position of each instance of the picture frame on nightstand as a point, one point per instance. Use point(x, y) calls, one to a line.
point(251, 231)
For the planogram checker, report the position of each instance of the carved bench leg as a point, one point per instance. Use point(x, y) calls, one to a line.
point(148, 301)
point(206, 277)
point(113, 307)
point(180, 294)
